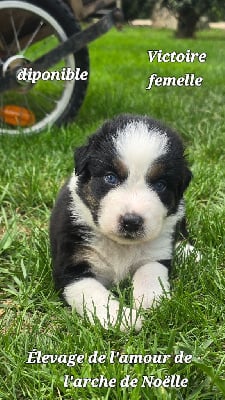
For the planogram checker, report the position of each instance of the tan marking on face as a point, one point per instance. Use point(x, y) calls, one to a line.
point(120, 168)
point(155, 172)
point(89, 197)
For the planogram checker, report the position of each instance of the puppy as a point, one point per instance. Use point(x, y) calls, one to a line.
point(117, 216)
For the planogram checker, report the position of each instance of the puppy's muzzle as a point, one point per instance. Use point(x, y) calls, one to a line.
point(131, 224)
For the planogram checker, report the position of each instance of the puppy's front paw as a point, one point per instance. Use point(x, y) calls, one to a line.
point(113, 315)
point(89, 297)
point(130, 319)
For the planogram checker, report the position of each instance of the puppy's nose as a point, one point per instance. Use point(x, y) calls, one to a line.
point(131, 222)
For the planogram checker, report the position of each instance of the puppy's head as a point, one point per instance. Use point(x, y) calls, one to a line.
point(131, 176)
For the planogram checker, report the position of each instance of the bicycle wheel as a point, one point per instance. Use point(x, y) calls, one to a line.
point(28, 30)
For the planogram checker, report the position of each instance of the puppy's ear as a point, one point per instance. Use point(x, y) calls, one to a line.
point(81, 159)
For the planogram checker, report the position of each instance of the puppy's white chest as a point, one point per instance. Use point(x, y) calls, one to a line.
point(113, 262)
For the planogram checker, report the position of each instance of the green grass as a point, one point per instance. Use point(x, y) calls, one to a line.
point(32, 170)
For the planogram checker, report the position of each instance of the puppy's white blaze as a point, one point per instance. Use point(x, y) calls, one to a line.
point(90, 296)
point(150, 282)
point(138, 147)
point(127, 199)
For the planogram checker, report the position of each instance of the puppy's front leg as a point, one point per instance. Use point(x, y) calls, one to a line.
point(149, 283)
point(90, 296)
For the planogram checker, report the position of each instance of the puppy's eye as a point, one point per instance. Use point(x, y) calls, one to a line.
point(159, 186)
point(111, 179)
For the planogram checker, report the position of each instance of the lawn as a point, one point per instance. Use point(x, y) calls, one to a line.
point(33, 168)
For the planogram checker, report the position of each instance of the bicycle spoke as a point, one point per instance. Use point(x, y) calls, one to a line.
point(4, 43)
point(44, 96)
point(15, 32)
point(30, 41)
point(38, 106)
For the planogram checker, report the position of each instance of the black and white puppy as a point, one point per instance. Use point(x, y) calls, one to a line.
point(117, 216)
